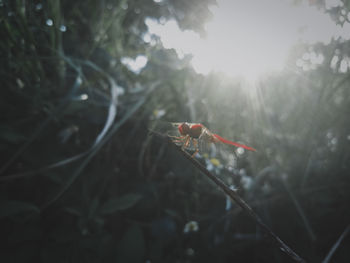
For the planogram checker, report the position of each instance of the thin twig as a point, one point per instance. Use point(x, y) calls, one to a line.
point(45, 168)
point(300, 210)
point(336, 245)
point(235, 197)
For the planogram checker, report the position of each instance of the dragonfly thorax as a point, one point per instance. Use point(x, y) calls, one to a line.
point(194, 130)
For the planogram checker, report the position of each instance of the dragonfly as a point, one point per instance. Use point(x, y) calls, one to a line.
point(194, 135)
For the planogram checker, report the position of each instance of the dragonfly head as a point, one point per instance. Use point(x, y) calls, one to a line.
point(184, 128)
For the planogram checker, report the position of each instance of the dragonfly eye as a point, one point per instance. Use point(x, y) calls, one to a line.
point(184, 129)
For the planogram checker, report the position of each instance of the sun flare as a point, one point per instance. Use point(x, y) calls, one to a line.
point(248, 38)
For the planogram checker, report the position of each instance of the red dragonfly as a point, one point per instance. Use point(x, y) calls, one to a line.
point(198, 134)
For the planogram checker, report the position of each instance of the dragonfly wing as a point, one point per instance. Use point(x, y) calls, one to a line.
point(204, 146)
point(214, 148)
point(205, 142)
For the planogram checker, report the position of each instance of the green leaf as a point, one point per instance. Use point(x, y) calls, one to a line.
point(10, 208)
point(10, 136)
point(121, 203)
point(171, 213)
point(72, 210)
point(132, 246)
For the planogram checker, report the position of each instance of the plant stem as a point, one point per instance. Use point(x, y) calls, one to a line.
point(235, 197)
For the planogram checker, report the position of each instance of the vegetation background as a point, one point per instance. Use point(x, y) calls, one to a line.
point(81, 180)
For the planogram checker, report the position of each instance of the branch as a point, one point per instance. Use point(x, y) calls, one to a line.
point(336, 245)
point(235, 197)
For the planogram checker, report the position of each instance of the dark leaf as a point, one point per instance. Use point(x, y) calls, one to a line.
point(121, 203)
point(10, 208)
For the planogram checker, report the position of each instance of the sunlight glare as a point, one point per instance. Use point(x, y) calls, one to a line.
point(248, 38)
point(135, 65)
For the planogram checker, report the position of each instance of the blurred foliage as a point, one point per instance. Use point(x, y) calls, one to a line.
point(82, 181)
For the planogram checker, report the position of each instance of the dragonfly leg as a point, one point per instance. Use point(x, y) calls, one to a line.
point(195, 144)
point(177, 137)
point(187, 142)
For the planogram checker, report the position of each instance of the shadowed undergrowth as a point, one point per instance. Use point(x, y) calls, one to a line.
point(81, 180)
